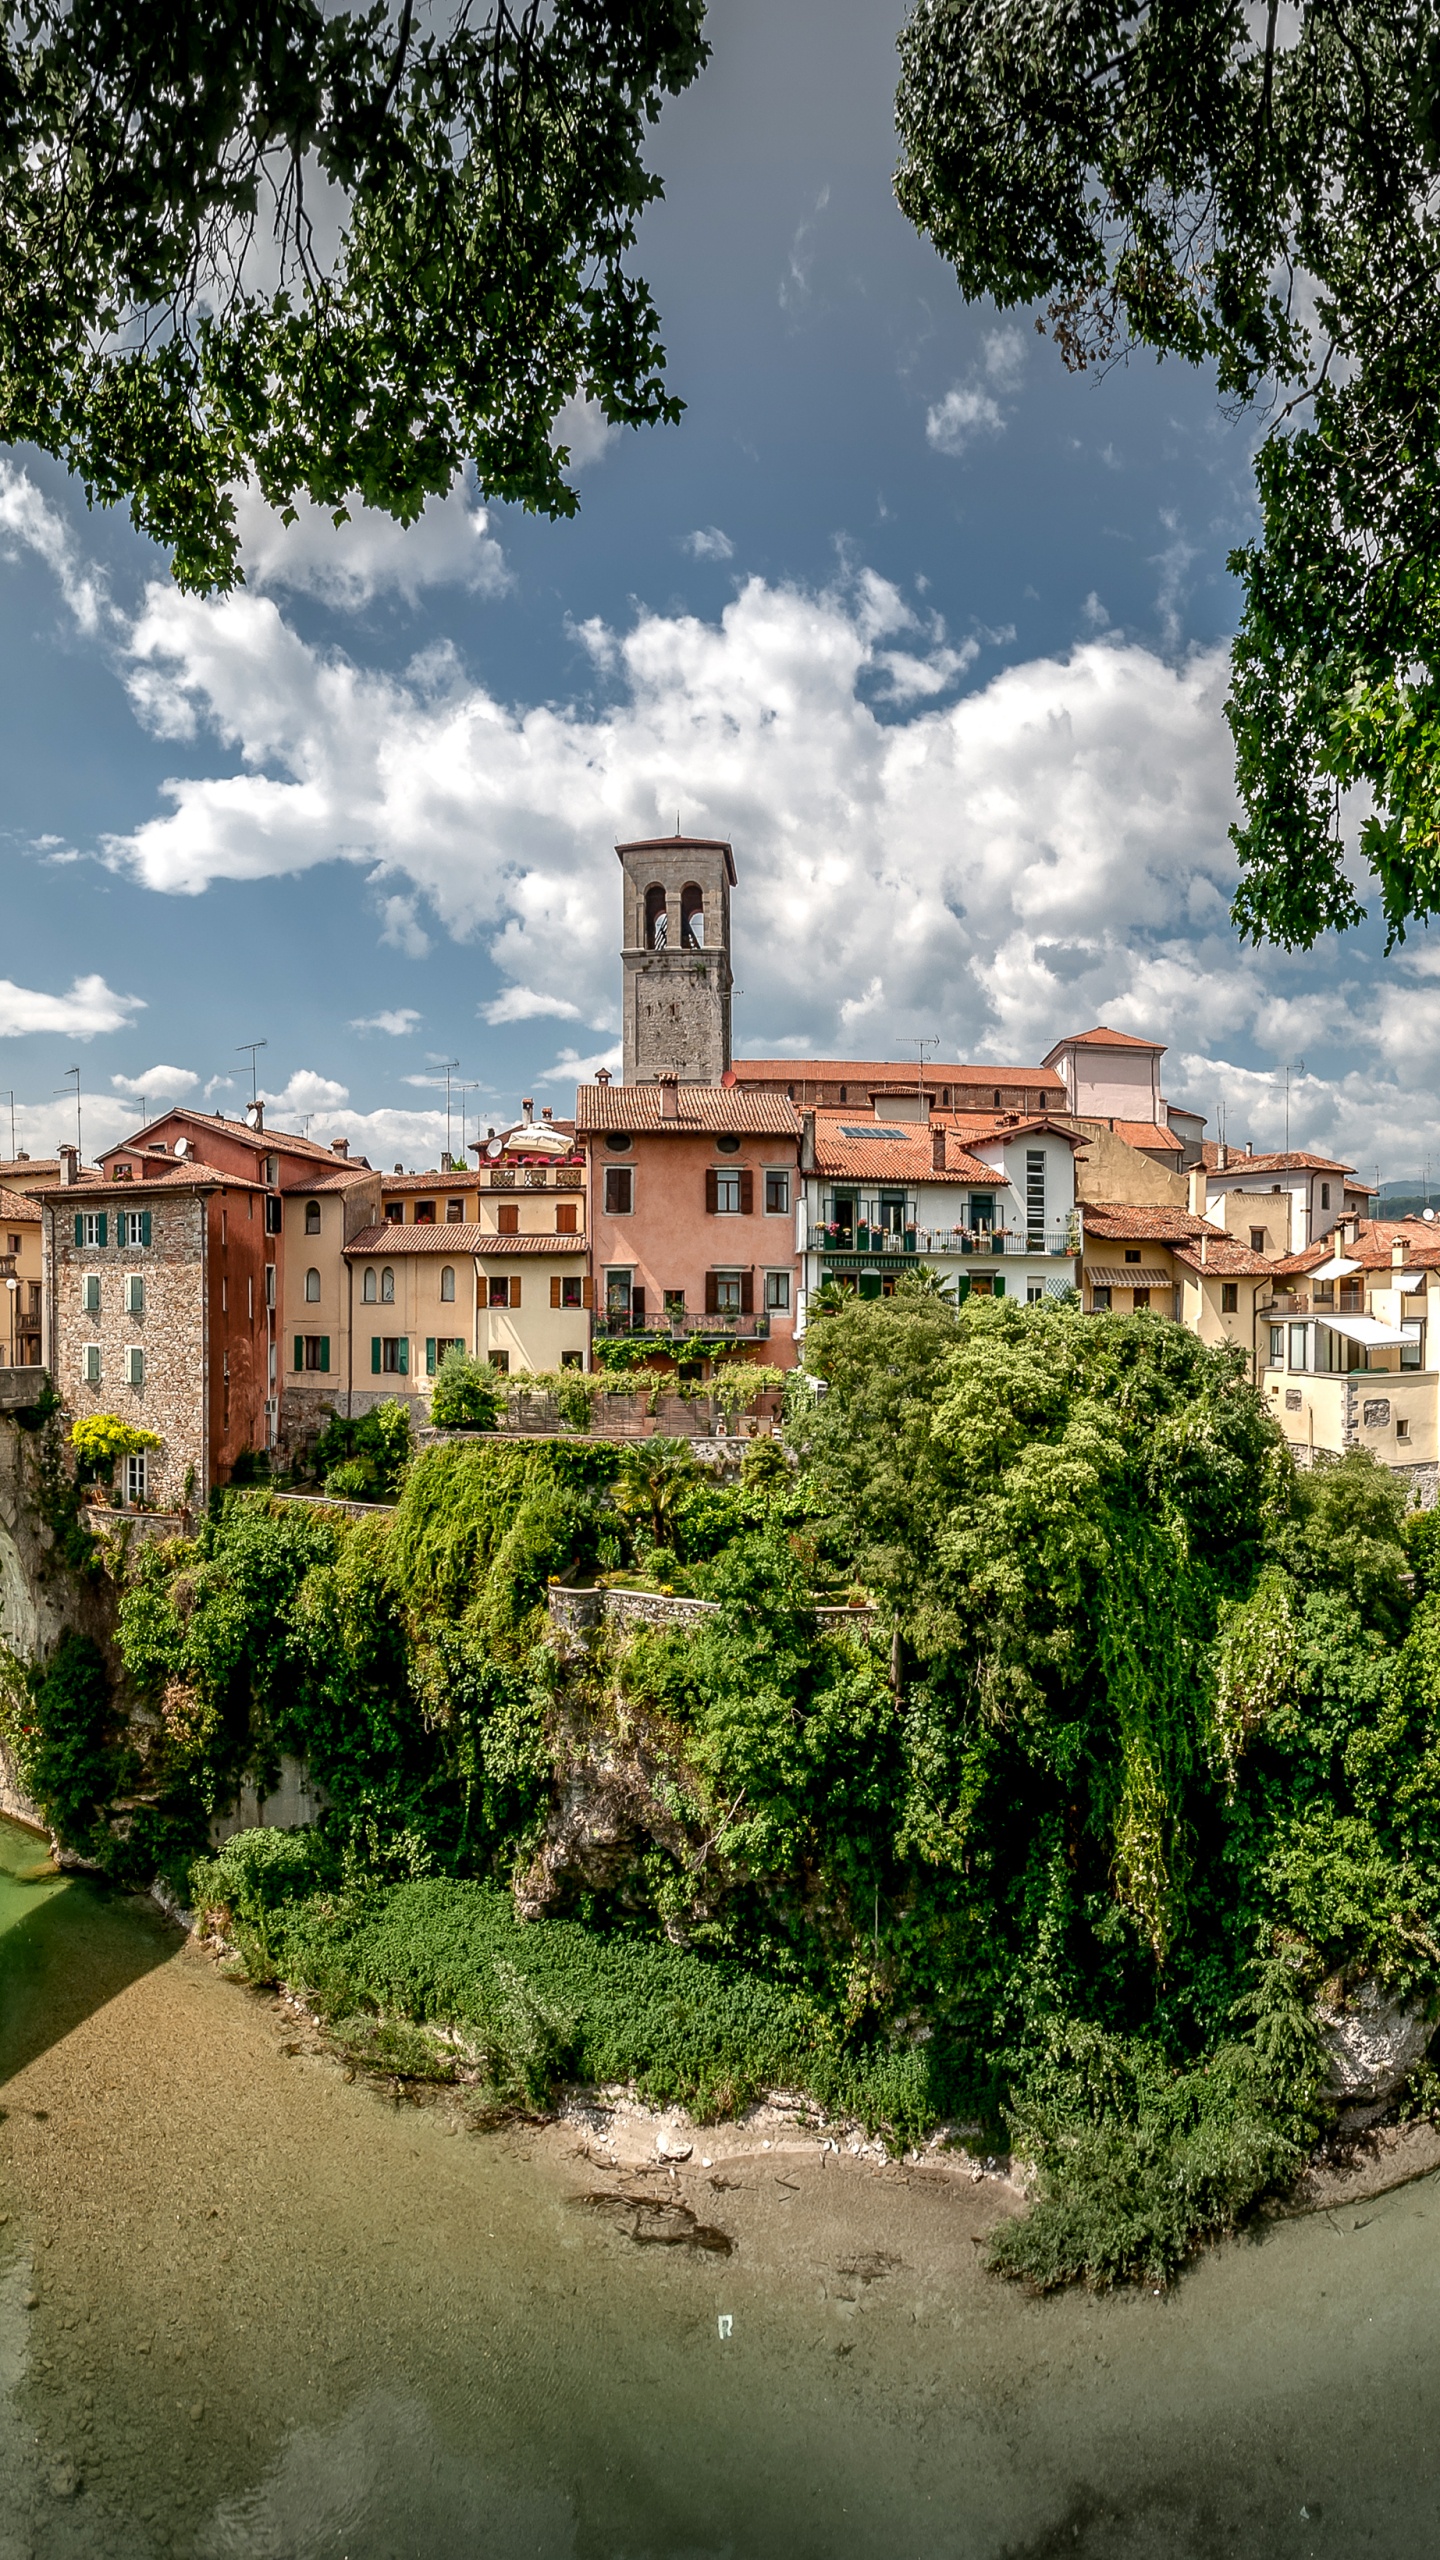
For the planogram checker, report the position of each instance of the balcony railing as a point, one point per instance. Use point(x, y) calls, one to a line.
point(873, 1241)
point(663, 1330)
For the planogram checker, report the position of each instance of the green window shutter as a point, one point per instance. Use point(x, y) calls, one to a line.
point(79, 1228)
point(404, 1352)
point(962, 1288)
point(999, 1284)
point(145, 1226)
point(100, 1226)
point(299, 1350)
point(325, 1352)
point(429, 1355)
point(375, 1354)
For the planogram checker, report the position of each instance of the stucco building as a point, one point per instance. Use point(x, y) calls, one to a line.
point(1164, 1261)
point(22, 1281)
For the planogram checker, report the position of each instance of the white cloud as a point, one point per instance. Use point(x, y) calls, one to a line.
point(28, 520)
point(398, 1024)
point(349, 564)
point(89, 1007)
point(584, 430)
point(526, 1004)
point(159, 1084)
point(971, 408)
point(709, 543)
point(402, 929)
point(306, 1092)
point(571, 1068)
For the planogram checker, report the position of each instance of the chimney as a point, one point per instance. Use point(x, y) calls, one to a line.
point(1222, 1158)
point(528, 1107)
point(937, 1150)
point(69, 1163)
point(1204, 1248)
point(669, 1097)
point(1397, 1254)
point(547, 1113)
point(1198, 1202)
point(602, 1075)
point(807, 1142)
point(340, 1147)
point(1249, 1147)
point(256, 1117)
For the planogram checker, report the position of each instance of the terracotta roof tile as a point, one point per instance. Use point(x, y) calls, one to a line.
point(1223, 1255)
point(1147, 1135)
point(1104, 1038)
point(1294, 1161)
point(1373, 1247)
point(189, 1176)
point(700, 1108)
point(342, 1178)
point(16, 1206)
point(898, 1074)
point(1114, 1221)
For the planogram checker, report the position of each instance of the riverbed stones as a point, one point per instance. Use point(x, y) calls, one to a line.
point(1372, 2043)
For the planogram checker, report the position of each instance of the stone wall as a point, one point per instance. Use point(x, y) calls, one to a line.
point(580, 1608)
point(170, 1329)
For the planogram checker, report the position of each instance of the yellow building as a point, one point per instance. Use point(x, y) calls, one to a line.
point(21, 1282)
point(1350, 1346)
point(1166, 1262)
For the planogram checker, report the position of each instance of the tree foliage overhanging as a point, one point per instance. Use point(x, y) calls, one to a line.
point(1258, 190)
point(338, 254)
point(1147, 1756)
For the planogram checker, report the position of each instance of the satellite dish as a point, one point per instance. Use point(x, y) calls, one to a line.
point(1429, 1217)
point(182, 1146)
point(495, 1150)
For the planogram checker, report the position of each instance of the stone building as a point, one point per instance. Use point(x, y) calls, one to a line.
point(676, 958)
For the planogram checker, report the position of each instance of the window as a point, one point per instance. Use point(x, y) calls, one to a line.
point(619, 1190)
point(389, 1355)
point(1142, 1300)
point(90, 1293)
point(673, 1301)
point(436, 1347)
point(1323, 1293)
point(657, 922)
point(454, 1213)
point(250, 1295)
point(134, 1366)
point(727, 1146)
point(500, 1361)
point(132, 1226)
point(370, 1291)
point(272, 1170)
point(1324, 1195)
point(572, 1359)
point(777, 1195)
point(567, 1218)
point(727, 1195)
point(274, 1212)
point(312, 1217)
point(312, 1351)
point(692, 918)
point(724, 1288)
point(1402, 1427)
point(507, 1216)
point(224, 1294)
point(982, 1211)
point(892, 1214)
point(505, 1293)
point(387, 1287)
point(90, 1364)
point(312, 1287)
point(572, 1293)
point(777, 1292)
point(1229, 1297)
point(1035, 1194)
point(1034, 1291)
point(1277, 1346)
point(447, 1286)
point(730, 1193)
point(269, 1284)
point(617, 1294)
point(1299, 1346)
point(1412, 1349)
point(1257, 1239)
point(134, 1293)
point(1100, 1301)
point(424, 1213)
point(137, 1478)
point(395, 1212)
point(1132, 1253)
point(618, 1142)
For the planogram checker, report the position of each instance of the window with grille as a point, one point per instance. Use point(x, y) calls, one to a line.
point(137, 1478)
point(727, 1194)
point(1035, 1192)
point(454, 1213)
point(726, 1285)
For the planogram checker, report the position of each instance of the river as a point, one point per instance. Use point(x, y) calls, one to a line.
point(251, 2310)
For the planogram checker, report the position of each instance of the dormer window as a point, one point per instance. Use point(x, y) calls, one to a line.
point(122, 1173)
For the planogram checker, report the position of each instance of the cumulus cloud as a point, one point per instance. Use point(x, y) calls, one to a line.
point(398, 1024)
point(28, 522)
point(584, 430)
point(972, 407)
point(306, 1093)
point(526, 1004)
point(571, 1068)
point(349, 564)
point(88, 1008)
point(709, 543)
point(158, 1084)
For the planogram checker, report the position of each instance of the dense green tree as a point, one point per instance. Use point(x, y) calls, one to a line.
point(338, 253)
point(1254, 190)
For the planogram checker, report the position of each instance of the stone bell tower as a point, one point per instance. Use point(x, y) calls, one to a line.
point(677, 958)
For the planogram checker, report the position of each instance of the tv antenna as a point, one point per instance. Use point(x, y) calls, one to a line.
point(448, 1068)
point(1298, 1069)
point(252, 1046)
point(60, 1089)
point(10, 1098)
point(931, 1040)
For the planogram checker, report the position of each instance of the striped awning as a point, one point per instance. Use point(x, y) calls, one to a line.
point(1126, 1275)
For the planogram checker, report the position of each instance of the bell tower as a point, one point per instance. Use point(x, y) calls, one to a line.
point(677, 958)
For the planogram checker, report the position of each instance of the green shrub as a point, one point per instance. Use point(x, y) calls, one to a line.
point(73, 1754)
point(465, 1396)
point(378, 1444)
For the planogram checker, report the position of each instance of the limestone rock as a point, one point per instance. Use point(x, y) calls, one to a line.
point(1373, 2043)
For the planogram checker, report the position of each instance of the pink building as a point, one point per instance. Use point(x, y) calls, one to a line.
point(694, 1193)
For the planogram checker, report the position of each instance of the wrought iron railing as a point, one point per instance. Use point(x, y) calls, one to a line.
point(863, 1238)
point(682, 1327)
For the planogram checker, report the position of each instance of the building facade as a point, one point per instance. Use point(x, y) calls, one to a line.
point(1157, 1260)
point(22, 1282)
point(676, 983)
point(1278, 1204)
point(1350, 1344)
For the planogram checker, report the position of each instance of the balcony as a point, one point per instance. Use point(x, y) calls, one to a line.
point(666, 1330)
point(873, 1242)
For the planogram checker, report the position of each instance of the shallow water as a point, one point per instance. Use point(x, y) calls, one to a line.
point(250, 2311)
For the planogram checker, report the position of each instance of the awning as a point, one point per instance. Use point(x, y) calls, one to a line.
point(1337, 1268)
point(1366, 1329)
point(1126, 1275)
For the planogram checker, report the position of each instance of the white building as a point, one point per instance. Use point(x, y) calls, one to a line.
point(1276, 1204)
point(994, 1214)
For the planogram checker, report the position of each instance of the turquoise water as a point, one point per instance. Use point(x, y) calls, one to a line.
point(251, 2311)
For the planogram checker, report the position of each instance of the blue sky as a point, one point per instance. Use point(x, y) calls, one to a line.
point(932, 632)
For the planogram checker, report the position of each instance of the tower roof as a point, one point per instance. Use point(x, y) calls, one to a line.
point(680, 844)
